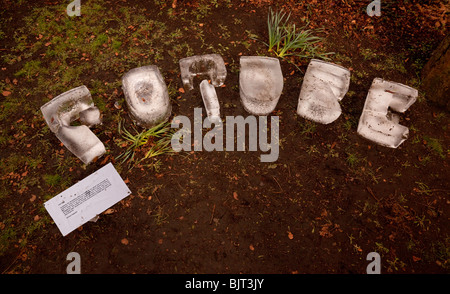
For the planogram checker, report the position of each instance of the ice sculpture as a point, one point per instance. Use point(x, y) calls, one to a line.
point(146, 96)
point(324, 85)
point(377, 123)
point(62, 110)
point(260, 84)
point(211, 65)
point(211, 101)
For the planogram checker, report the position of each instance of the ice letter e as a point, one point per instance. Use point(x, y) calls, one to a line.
point(377, 123)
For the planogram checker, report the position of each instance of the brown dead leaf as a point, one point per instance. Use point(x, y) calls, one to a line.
point(109, 211)
point(290, 235)
point(324, 231)
point(6, 93)
point(33, 197)
point(124, 241)
point(105, 160)
point(235, 196)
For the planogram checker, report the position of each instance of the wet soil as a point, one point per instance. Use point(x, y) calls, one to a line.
point(311, 211)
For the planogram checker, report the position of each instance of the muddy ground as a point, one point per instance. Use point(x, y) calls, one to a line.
point(331, 198)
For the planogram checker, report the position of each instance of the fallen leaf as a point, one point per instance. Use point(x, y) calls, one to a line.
point(290, 235)
point(33, 197)
point(109, 211)
point(251, 247)
point(105, 160)
point(415, 258)
point(124, 241)
point(6, 93)
point(235, 195)
point(181, 90)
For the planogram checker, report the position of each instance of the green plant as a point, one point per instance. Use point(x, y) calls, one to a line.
point(31, 68)
point(286, 39)
point(160, 216)
point(381, 248)
point(308, 128)
point(352, 159)
point(52, 180)
point(423, 189)
point(276, 21)
point(157, 140)
point(7, 235)
point(420, 222)
point(395, 264)
point(435, 145)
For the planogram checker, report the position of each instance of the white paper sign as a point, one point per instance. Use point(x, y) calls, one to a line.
point(86, 199)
